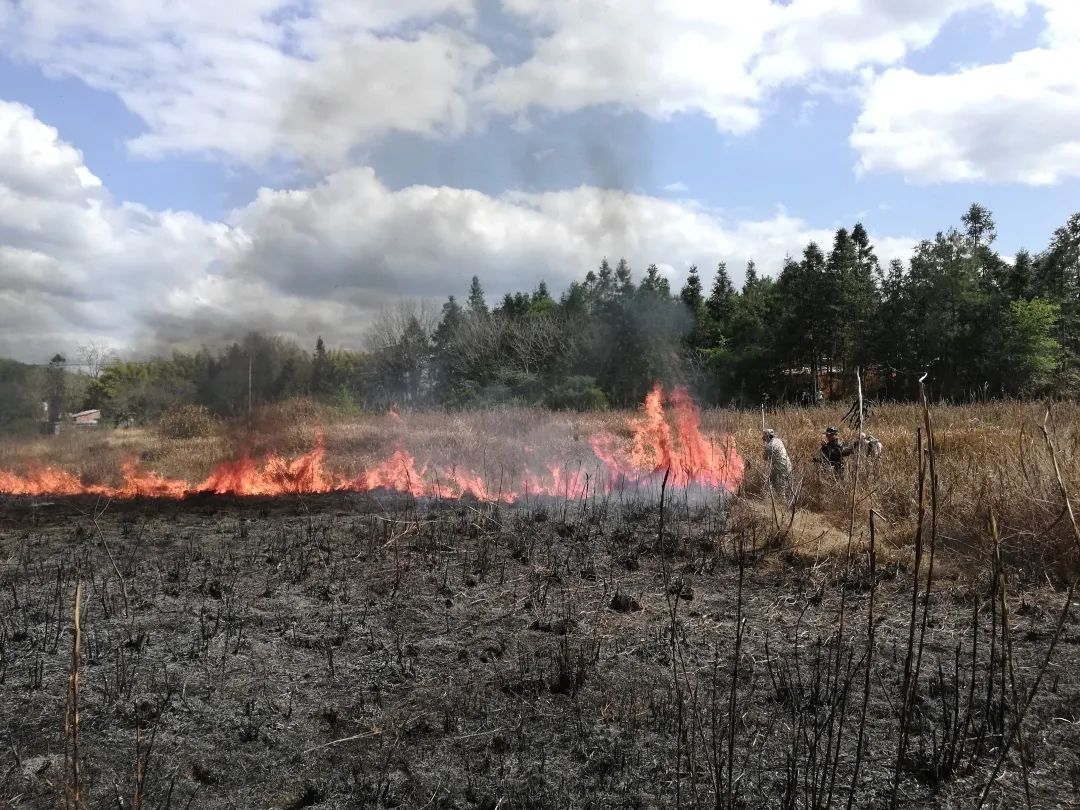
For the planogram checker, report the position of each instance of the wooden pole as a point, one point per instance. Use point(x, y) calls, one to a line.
point(75, 788)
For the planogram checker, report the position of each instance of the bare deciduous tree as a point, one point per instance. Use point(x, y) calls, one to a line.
point(400, 338)
point(95, 356)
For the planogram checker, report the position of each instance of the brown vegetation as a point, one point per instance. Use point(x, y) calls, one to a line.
point(608, 651)
point(991, 457)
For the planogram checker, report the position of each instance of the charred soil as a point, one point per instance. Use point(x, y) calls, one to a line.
point(357, 651)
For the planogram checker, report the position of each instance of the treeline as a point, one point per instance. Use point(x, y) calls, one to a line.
point(978, 324)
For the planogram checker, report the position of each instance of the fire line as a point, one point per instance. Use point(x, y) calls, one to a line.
point(666, 436)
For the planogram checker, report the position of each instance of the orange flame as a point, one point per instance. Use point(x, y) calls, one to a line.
point(277, 476)
point(684, 452)
point(659, 444)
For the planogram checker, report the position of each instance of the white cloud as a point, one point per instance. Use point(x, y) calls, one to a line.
point(1018, 121)
point(324, 259)
point(316, 80)
point(260, 79)
point(665, 57)
point(76, 265)
point(843, 36)
point(661, 58)
point(72, 263)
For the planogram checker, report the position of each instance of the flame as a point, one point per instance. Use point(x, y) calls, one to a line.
point(688, 456)
point(277, 476)
point(661, 442)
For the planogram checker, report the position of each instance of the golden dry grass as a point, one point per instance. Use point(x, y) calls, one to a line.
point(990, 457)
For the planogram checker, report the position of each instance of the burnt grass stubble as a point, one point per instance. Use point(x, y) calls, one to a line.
point(603, 651)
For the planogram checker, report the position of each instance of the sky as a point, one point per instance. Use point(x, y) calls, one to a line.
point(177, 174)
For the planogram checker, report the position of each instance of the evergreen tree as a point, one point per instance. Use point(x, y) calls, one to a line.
point(979, 227)
point(805, 316)
point(604, 285)
point(1021, 277)
point(1058, 281)
point(655, 283)
point(751, 275)
point(320, 376)
point(855, 261)
point(837, 300)
point(476, 304)
point(541, 301)
point(892, 345)
point(514, 305)
point(721, 297)
point(692, 295)
point(1032, 347)
point(450, 322)
point(958, 325)
point(624, 282)
point(574, 303)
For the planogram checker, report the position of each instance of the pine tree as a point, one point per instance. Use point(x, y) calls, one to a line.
point(320, 382)
point(624, 282)
point(692, 295)
point(1021, 277)
point(1032, 346)
point(720, 298)
point(476, 304)
point(575, 301)
point(751, 276)
point(541, 300)
point(447, 354)
point(892, 337)
point(604, 287)
point(852, 279)
point(450, 320)
point(655, 283)
point(1058, 274)
point(837, 299)
point(804, 319)
point(979, 227)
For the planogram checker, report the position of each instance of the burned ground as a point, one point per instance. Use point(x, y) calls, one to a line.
point(348, 651)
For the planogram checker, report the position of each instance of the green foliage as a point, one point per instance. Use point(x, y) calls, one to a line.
point(975, 323)
point(1033, 347)
point(22, 392)
point(576, 394)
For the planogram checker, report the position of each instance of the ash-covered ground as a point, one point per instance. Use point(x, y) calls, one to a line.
point(354, 651)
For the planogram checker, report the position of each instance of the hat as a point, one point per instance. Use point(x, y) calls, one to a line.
point(831, 431)
point(768, 434)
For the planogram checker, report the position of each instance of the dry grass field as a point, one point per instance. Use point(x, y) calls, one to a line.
point(614, 650)
point(990, 457)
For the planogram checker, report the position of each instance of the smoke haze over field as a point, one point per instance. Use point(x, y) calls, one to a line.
point(333, 157)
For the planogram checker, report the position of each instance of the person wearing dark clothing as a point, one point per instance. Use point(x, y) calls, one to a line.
point(833, 450)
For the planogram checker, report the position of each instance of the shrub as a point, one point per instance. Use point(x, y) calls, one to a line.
point(186, 422)
point(576, 394)
point(277, 416)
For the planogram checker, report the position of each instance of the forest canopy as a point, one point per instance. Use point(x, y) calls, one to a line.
point(979, 324)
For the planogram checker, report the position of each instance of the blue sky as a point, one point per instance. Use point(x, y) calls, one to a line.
point(400, 147)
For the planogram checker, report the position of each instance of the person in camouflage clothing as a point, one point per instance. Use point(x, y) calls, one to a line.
point(833, 451)
point(870, 445)
point(778, 464)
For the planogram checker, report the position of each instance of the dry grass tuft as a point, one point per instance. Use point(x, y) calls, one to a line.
point(991, 457)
